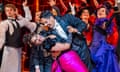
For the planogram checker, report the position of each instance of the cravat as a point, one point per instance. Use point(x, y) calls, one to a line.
point(14, 22)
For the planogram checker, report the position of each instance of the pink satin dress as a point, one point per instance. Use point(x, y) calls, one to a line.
point(69, 62)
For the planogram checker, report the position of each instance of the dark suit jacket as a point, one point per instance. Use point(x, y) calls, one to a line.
point(70, 20)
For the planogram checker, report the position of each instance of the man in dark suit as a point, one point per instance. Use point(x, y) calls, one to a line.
point(61, 25)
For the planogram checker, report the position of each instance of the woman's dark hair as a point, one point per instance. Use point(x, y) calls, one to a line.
point(108, 5)
point(82, 9)
point(46, 14)
point(27, 38)
point(57, 10)
point(102, 6)
point(47, 44)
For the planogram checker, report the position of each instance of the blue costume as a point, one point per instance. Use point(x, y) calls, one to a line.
point(103, 54)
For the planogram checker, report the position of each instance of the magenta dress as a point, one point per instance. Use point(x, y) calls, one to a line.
point(69, 62)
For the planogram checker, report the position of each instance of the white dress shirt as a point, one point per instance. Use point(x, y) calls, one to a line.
point(60, 30)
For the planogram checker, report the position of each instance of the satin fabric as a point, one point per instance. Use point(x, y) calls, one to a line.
point(69, 62)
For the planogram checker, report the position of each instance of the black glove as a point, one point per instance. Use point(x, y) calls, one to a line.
point(49, 43)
